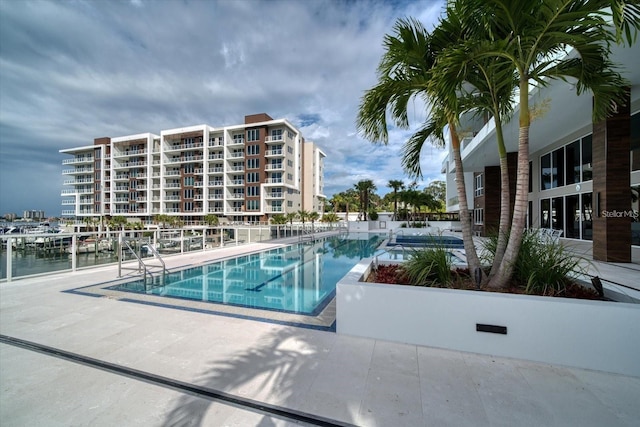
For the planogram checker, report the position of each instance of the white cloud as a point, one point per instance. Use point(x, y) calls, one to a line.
point(74, 71)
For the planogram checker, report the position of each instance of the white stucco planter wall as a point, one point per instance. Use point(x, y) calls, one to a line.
point(596, 335)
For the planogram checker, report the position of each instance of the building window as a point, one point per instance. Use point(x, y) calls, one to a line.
point(189, 180)
point(478, 216)
point(253, 191)
point(276, 134)
point(289, 149)
point(567, 165)
point(479, 185)
point(253, 163)
point(545, 213)
point(189, 168)
point(188, 193)
point(290, 177)
point(253, 135)
point(238, 138)
point(253, 177)
point(290, 163)
point(635, 142)
point(587, 167)
point(253, 205)
point(188, 206)
point(253, 150)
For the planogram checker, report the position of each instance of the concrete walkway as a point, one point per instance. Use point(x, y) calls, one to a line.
point(132, 362)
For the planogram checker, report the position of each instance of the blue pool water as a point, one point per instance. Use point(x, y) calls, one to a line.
point(299, 278)
point(427, 240)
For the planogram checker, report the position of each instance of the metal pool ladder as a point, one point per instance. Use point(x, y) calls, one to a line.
point(146, 269)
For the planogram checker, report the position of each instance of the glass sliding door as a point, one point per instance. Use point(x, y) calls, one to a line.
point(587, 216)
point(572, 217)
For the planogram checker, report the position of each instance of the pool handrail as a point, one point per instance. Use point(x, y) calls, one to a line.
point(124, 244)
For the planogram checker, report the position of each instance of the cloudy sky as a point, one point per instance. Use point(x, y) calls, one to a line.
point(72, 71)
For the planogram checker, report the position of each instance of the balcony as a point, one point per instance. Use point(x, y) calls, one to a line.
point(129, 153)
point(184, 147)
point(216, 156)
point(77, 160)
point(273, 181)
point(215, 196)
point(236, 182)
point(172, 198)
point(78, 181)
point(68, 202)
point(216, 170)
point(172, 185)
point(68, 192)
point(216, 142)
point(77, 171)
point(274, 195)
point(236, 155)
point(274, 138)
point(272, 153)
point(235, 169)
point(236, 196)
point(273, 167)
point(172, 173)
point(236, 141)
point(121, 177)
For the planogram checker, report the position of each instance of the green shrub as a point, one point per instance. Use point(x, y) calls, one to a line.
point(543, 266)
point(429, 267)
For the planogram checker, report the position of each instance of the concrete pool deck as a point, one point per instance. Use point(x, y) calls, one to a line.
point(102, 361)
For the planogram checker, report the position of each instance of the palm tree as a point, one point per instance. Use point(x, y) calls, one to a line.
point(291, 216)
point(303, 215)
point(364, 189)
point(330, 217)
point(211, 220)
point(405, 72)
point(396, 185)
point(536, 50)
point(486, 87)
point(278, 219)
point(313, 217)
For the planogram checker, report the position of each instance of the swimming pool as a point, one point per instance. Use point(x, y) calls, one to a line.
point(427, 240)
point(299, 278)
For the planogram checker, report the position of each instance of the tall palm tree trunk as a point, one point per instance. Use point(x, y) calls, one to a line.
point(465, 219)
point(505, 200)
point(505, 270)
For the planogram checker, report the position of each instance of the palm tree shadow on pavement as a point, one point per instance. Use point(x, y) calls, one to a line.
point(279, 371)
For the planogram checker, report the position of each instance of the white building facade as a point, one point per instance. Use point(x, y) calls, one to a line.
point(584, 176)
point(244, 173)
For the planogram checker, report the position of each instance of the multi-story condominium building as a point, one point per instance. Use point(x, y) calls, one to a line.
point(245, 173)
point(584, 176)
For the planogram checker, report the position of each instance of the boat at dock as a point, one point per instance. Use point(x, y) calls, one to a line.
point(91, 246)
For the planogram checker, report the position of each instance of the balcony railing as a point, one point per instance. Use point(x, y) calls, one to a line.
point(277, 166)
point(216, 183)
point(274, 153)
point(274, 138)
point(215, 170)
point(77, 160)
point(182, 147)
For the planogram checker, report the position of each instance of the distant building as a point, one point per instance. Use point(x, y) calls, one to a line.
point(10, 217)
point(246, 172)
point(33, 215)
point(584, 177)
